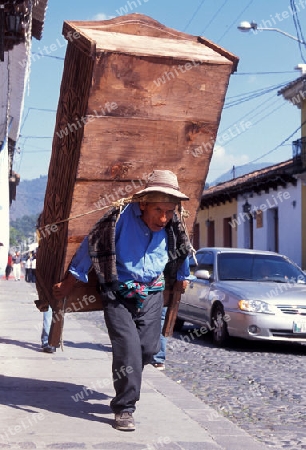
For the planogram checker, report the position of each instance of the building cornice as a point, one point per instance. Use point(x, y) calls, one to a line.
point(256, 182)
point(295, 92)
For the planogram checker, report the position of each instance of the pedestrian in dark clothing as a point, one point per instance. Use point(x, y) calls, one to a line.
point(9, 267)
point(33, 269)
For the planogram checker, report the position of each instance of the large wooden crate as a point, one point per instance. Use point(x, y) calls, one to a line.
point(135, 96)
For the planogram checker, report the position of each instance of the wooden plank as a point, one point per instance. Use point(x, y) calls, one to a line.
point(141, 25)
point(128, 86)
point(131, 25)
point(70, 252)
point(129, 149)
point(153, 46)
point(81, 42)
point(85, 296)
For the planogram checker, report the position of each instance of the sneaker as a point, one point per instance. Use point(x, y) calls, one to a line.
point(124, 421)
point(159, 366)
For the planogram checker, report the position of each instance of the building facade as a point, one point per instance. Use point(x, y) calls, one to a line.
point(19, 22)
point(263, 210)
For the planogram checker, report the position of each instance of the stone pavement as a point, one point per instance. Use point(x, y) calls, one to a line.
point(61, 400)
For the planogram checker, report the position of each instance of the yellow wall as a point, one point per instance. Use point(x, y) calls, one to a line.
point(217, 214)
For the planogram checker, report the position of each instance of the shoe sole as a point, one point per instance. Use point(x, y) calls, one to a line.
point(159, 367)
point(47, 350)
point(124, 428)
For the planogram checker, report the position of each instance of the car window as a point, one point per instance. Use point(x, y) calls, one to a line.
point(233, 266)
point(239, 266)
point(205, 262)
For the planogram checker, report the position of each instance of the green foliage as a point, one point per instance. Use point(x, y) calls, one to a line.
point(22, 228)
point(25, 224)
point(16, 237)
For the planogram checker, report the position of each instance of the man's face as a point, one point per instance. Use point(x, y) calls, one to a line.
point(157, 215)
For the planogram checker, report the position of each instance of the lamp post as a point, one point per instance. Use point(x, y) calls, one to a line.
point(248, 26)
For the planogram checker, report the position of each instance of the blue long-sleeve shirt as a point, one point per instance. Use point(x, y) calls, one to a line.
point(141, 254)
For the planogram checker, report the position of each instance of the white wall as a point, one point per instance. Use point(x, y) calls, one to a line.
point(4, 209)
point(289, 221)
point(14, 71)
point(290, 224)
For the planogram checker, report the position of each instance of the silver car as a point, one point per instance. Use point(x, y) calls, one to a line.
point(245, 293)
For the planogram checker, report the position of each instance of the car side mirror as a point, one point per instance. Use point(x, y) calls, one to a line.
point(202, 274)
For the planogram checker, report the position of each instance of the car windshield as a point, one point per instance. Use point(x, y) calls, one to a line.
point(239, 266)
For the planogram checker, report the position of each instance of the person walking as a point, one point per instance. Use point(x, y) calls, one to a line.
point(9, 267)
point(33, 269)
point(47, 320)
point(17, 266)
point(28, 271)
point(135, 251)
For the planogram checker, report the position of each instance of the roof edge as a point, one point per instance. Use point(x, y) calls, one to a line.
point(143, 25)
point(221, 51)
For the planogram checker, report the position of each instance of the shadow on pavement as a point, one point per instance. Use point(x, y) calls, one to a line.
point(69, 399)
point(37, 347)
point(29, 345)
point(88, 345)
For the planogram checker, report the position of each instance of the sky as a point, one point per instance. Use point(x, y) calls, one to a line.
point(257, 125)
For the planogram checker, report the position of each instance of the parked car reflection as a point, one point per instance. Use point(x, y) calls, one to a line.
point(245, 293)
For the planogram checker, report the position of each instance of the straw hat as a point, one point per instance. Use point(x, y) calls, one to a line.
point(162, 186)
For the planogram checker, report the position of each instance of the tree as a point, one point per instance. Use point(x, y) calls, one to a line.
point(22, 230)
point(16, 237)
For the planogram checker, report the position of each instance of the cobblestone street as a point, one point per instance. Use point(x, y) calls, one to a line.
point(259, 386)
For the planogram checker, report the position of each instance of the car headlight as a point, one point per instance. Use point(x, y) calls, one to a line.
point(256, 306)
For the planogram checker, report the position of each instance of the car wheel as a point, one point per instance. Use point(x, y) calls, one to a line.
point(219, 326)
point(179, 323)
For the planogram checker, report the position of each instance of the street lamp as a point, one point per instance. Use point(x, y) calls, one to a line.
point(247, 26)
point(246, 208)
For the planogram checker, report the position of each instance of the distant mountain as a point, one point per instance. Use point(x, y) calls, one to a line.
point(29, 198)
point(238, 171)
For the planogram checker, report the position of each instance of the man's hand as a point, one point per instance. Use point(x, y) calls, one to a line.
point(181, 286)
point(62, 289)
point(184, 285)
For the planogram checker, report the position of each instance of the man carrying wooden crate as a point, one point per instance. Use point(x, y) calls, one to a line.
point(136, 252)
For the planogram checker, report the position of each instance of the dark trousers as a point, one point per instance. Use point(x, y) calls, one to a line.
point(135, 338)
point(28, 275)
point(33, 276)
point(8, 270)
